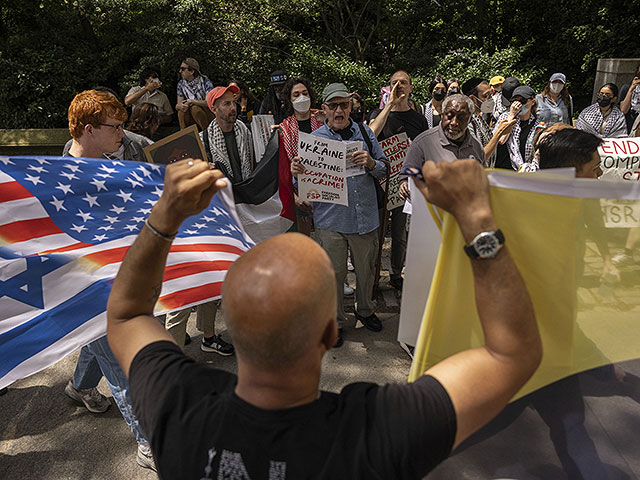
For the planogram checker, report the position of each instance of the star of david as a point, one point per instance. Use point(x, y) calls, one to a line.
point(26, 287)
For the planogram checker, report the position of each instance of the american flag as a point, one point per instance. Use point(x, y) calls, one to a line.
point(65, 225)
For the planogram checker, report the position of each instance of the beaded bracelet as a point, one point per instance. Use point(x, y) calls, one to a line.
point(157, 233)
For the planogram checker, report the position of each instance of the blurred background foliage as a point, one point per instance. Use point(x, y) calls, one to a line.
point(52, 49)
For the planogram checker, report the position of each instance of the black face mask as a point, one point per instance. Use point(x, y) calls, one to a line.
point(439, 94)
point(453, 91)
point(603, 101)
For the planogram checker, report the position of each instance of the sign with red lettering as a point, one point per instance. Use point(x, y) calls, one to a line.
point(395, 149)
point(324, 179)
point(620, 158)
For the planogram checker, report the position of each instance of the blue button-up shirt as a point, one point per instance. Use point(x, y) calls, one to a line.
point(361, 215)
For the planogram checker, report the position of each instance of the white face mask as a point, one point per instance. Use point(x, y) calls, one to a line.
point(302, 104)
point(556, 87)
point(487, 105)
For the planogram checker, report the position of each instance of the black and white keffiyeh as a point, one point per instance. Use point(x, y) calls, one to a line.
point(479, 129)
point(428, 113)
point(590, 120)
point(218, 148)
point(196, 88)
point(498, 107)
point(513, 143)
point(635, 99)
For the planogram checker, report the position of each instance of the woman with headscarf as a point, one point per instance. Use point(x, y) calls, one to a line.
point(604, 118)
point(433, 108)
point(554, 104)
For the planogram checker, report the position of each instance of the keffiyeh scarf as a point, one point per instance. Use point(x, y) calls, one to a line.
point(479, 129)
point(590, 120)
point(635, 99)
point(218, 148)
point(195, 89)
point(513, 143)
point(289, 133)
point(428, 113)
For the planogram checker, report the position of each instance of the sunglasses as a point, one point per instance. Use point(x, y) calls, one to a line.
point(342, 105)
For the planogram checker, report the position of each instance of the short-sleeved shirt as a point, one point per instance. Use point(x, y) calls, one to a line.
point(551, 112)
point(157, 98)
point(199, 428)
point(434, 145)
point(409, 122)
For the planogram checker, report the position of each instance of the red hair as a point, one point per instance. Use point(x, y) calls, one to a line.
point(92, 107)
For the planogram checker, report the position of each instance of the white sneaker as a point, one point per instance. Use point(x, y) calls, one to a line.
point(91, 398)
point(144, 457)
point(348, 291)
point(623, 259)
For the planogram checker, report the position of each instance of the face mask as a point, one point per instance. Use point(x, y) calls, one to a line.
point(439, 94)
point(302, 104)
point(556, 87)
point(603, 101)
point(523, 110)
point(487, 105)
point(453, 91)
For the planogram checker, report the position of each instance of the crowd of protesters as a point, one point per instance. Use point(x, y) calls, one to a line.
point(499, 122)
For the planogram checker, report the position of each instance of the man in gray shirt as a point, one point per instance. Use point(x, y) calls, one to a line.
point(450, 141)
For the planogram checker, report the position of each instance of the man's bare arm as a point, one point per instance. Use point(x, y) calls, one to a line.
point(481, 381)
point(130, 324)
point(378, 123)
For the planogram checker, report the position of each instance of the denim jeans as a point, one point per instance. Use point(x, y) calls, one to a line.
point(96, 360)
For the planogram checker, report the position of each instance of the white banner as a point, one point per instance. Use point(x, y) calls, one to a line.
point(324, 161)
point(620, 158)
point(261, 132)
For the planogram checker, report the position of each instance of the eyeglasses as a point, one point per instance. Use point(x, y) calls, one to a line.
point(342, 105)
point(117, 128)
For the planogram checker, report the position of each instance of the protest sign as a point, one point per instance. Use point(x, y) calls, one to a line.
point(352, 168)
point(261, 133)
point(324, 161)
point(620, 158)
point(395, 149)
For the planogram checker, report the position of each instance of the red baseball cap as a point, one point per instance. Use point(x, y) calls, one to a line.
point(217, 92)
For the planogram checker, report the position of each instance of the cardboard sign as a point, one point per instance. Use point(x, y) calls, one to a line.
point(620, 158)
point(324, 161)
point(261, 133)
point(395, 149)
point(183, 144)
point(620, 213)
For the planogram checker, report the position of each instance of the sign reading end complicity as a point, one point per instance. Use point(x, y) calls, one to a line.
point(324, 179)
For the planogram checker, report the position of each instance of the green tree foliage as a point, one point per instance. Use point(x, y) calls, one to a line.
point(52, 49)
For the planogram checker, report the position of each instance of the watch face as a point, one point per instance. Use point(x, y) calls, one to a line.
point(487, 245)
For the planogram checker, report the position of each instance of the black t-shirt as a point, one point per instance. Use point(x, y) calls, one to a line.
point(234, 155)
point(304, 125)
point(410, 122)
point(199, 428)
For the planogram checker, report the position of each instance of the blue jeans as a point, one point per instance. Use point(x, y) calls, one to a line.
point(96, 360)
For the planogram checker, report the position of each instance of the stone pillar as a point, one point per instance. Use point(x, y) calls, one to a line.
point(614, 70)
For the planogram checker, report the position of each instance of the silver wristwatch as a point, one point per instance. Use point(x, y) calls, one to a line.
point(485, 245)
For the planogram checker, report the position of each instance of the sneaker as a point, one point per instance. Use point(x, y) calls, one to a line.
point(372, 322)
point(407, 348)
point(90, 397)
point(348, 291)
point(218, 345)
point(623, 260)
point(396, 282)
point(144, 457)
point(187, 339)
point(339, 340)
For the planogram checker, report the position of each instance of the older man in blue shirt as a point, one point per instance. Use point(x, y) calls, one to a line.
point(354, 226)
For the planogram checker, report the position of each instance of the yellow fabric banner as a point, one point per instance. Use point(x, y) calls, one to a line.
point(587, 308)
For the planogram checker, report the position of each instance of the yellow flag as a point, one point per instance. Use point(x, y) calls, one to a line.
point(562, 236)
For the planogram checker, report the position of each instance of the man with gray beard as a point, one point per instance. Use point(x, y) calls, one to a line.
point(451, 140)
